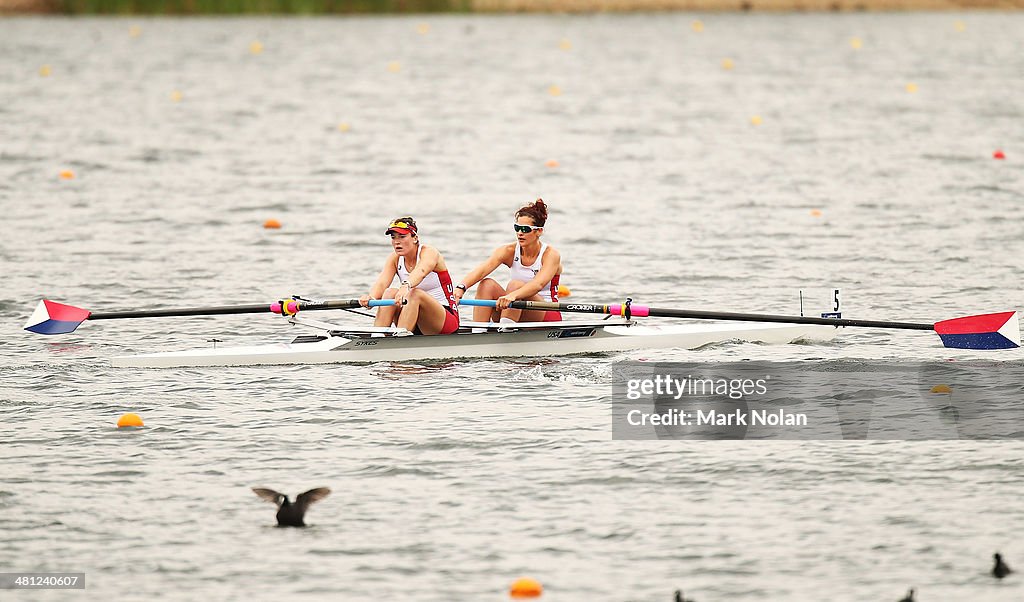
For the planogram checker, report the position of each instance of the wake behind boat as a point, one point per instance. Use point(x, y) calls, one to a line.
point(340, 344)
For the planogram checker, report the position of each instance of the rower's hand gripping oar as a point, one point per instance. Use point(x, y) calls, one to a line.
point(51, 317)
point(987, 331)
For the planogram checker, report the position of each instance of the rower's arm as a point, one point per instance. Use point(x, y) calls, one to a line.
point(429, 257)
point(551, 261)
point(386, 277)
point(483, 270)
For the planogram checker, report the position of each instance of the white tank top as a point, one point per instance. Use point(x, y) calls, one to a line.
point(526, 273)
point(436, 284)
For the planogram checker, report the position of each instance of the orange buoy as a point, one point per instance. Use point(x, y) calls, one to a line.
point(129, 420)
point(942, 389)
point(67, 174)
point(999, 155)
point(272, 224)
point(552, 163)
point(524, 587)
point(815, 212)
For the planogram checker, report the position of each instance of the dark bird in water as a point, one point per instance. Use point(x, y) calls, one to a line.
point(290, 514)
point(909, 597)
point(679, 597)
point(1000, 570)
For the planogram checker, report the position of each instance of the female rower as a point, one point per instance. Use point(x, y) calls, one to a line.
point(536, 268)
point(423, 300)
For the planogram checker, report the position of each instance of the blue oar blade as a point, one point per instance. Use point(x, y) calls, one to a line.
point(51, 317)
point(988, 331)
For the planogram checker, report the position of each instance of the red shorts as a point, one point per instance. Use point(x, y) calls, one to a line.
point(451, 322)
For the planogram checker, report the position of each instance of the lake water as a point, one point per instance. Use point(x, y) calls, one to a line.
point(853, 151)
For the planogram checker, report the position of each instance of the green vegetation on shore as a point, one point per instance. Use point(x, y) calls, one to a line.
point(227, 7)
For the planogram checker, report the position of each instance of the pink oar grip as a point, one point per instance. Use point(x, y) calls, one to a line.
point(638, 311)
point(290, 308)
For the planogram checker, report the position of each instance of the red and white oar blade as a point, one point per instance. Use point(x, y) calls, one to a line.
point(51, 317)
point(987, 331)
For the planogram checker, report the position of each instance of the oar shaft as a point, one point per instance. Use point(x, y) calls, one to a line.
point(642, 310)
point(185, 311)
point(234, 309)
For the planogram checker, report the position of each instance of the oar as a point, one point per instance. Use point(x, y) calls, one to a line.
point(51, 317)
point(986, 331)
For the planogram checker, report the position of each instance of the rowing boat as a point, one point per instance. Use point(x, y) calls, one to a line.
point(337, 344)
point(618, 332)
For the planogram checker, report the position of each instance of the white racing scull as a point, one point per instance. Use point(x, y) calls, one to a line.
point(338, 344)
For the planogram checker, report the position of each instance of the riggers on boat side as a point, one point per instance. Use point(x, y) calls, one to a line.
point(539, 339)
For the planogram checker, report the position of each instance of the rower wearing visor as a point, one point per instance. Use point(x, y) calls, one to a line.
point(423, 300)
point(536, 268)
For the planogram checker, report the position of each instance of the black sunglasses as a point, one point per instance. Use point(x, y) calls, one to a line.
point(525, 229)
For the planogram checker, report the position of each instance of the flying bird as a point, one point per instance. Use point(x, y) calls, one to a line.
point(1001, 569)
point(290, 514)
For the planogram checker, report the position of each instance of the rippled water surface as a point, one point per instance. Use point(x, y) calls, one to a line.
point(838, 150)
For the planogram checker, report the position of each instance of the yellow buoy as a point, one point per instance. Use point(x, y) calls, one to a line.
point(856, 43)
point(272, 224)
point(911, 88)
point(756, 120)
point(176, 96)
point(564, 291)
point(129, 420)
point(942, 389)
point(344, 126)
point(67, 174)
point(394, 66)
point(255, 47)
point(524, 587)
point(135, 31)
point(45, 71)
point(960, 26)
point(423, 29)
point(727, 64)
point(555, 91)
point(698, 26)
point(565, 44)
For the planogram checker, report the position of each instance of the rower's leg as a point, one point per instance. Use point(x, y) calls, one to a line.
point(512, 314)
point(387, 314)
point(523, 315)
point(423, 312)
point(489, 289)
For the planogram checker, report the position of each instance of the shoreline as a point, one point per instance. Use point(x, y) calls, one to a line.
point(54, 7)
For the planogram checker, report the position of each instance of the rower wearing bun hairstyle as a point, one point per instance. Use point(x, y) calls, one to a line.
point(423, 301)
point(536, 268)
